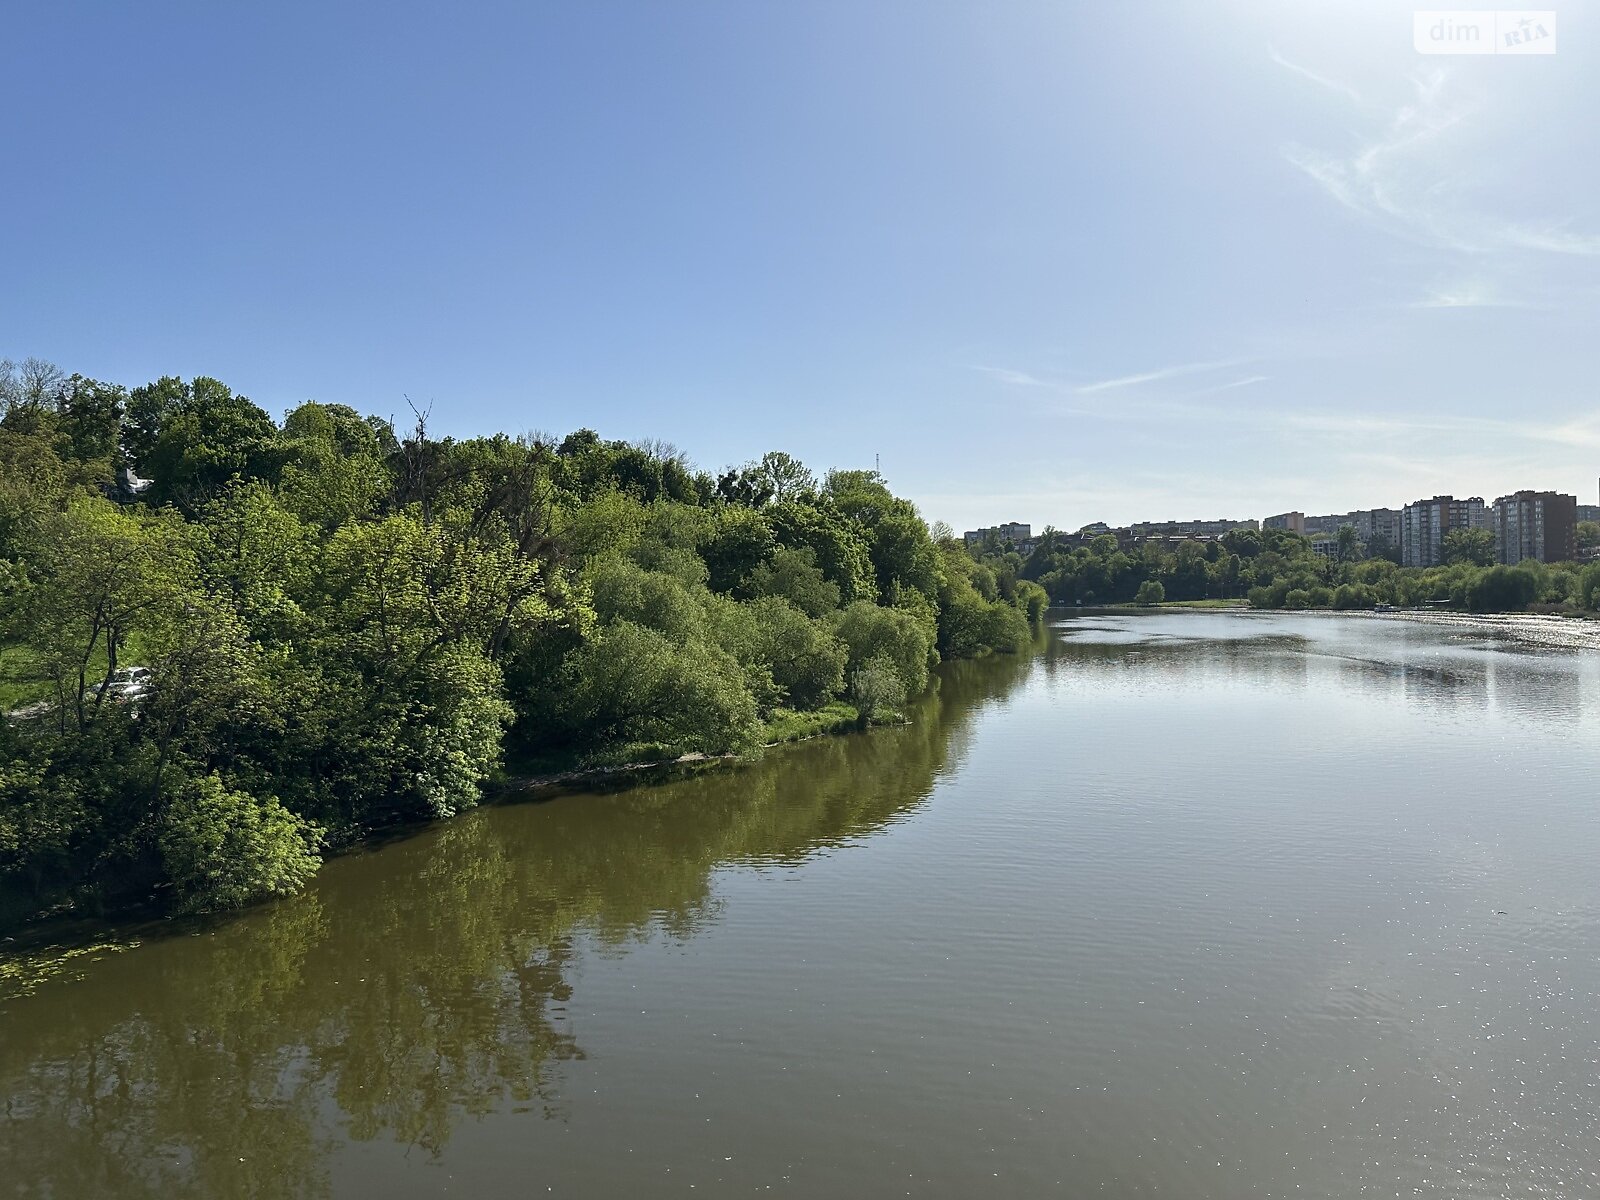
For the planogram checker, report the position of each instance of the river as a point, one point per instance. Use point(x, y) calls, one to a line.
point(1189, 904)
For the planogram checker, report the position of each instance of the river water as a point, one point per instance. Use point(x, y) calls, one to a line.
point(1184, 904)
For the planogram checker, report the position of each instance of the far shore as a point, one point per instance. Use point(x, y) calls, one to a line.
point(1564, 631)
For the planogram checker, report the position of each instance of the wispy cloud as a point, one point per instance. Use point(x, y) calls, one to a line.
point(1403, 179)
point(1247, 381)
point(1577, 432)
point(1469, 293)
point(1157, 375)
point(1323, 81)
point(1007, 375)
point(1555, 241)
point(1386, 181)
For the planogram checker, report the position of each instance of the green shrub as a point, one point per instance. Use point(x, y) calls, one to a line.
point(224, 848)
point(894, 635)
point(1502, 589)
point(877, 689)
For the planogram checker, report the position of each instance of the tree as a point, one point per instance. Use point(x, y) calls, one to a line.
point(741, 541)
point(1347, 544)
point(190, 439)
point(1381, 545)
point(795, 576)
point(877, 689)
point(784, 477)
point(1588, 536)
point(633, 685)
point(1150, 593)
point(1503, 589)
point(224, 848)
point(103, 578)
point(1474, 546)
point(870, 632)
point(28, 388)
point(804, 658)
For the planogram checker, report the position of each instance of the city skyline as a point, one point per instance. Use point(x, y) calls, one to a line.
point(1307, 514)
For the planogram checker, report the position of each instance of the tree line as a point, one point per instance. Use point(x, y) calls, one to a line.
point(1275, 568)
point(348, 625)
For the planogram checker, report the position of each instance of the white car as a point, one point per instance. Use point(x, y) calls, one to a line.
point(125, 684)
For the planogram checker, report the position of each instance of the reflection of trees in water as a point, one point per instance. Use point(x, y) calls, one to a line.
point(416, 984)
point(1416, 665)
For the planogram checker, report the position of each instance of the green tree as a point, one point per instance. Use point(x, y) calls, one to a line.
point(224, 848)
point(1503, 589)
point(1347, 544)
point(190, 439)
point(632, 685)
point(1474, 546)
point(1150, 593)
point(793, 575)
point(870, 632)
point(877, 689)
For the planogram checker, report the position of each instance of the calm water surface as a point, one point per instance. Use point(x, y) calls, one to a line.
point(1188, 904)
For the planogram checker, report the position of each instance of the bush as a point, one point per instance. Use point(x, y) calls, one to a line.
point(1502, 589)
point(805, 659)
point(1006, 629)
point(224, 848)
point(1032, 600)
point(1354, 595)
point(1150, 593)
point(1297, 598)
point(632, 684)
point(869, 632)
point(1589, 586)
point(877, 689)
point(795, 576)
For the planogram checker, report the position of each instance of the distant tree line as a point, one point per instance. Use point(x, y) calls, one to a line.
point(348, 625)
point(1274, 568)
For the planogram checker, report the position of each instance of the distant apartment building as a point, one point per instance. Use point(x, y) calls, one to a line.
point(1424, 524)
point(1195, 528)
point(1367, 522)
point(1377, 522)
point(1294, 522)
point(1589, 512)
point(1011, 531)
point(1537, 525)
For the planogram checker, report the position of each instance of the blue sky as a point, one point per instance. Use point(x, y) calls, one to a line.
point(1053, 262)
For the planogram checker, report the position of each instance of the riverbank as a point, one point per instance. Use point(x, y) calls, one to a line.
point(785, 726)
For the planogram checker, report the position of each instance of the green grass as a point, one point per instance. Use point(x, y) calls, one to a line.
point(20, 679)
point(786, 725)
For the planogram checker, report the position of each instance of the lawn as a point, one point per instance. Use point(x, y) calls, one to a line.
point(20, 679)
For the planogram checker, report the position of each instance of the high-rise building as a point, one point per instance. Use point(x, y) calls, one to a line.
point(1424, 524)
point(1294, 522)
point(1539, 525)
